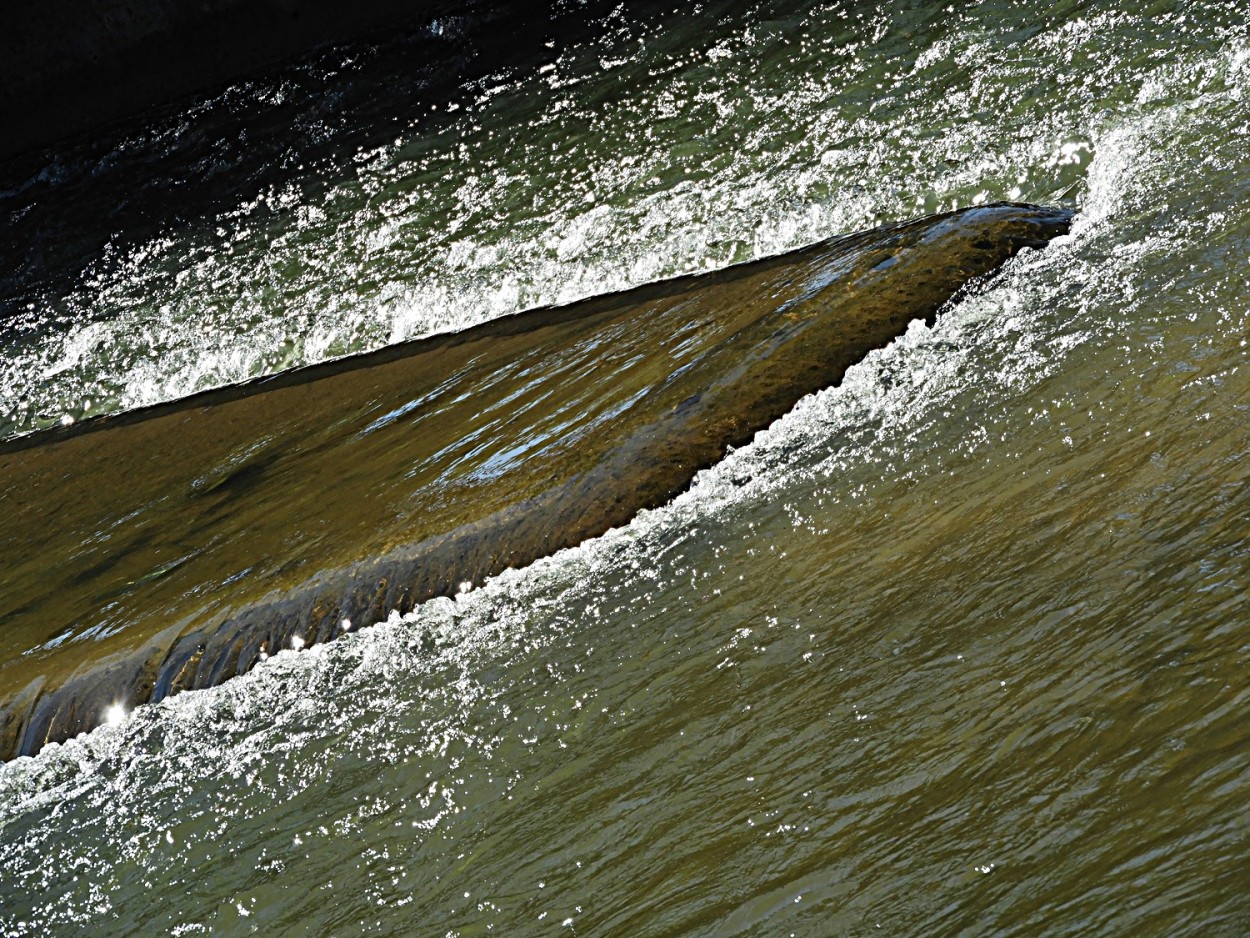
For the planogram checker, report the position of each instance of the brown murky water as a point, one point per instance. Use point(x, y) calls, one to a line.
point(287, 510)
point(960, 646)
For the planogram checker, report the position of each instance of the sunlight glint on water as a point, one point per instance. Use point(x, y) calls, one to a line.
point(957, 646)
point(664, 163)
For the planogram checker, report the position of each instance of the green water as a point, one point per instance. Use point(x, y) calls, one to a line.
point(960, 646)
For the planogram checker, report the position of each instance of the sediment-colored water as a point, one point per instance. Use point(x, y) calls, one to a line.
point(197, 536)
point(959, 645)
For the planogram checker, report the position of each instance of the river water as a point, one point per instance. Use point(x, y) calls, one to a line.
point(960, 645)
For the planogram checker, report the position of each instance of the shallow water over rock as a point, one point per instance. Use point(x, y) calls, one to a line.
point(958, 645)
point(290, 509)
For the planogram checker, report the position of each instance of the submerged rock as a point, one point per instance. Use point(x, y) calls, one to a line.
point(173, 547)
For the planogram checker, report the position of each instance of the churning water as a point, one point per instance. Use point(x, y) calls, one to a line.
point(960, 646)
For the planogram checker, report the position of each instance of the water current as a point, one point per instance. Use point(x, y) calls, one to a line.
point(959, 646)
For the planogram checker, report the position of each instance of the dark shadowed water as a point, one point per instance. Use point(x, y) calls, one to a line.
point(961, 646)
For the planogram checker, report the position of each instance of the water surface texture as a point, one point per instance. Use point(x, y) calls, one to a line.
point(959, 645)
point(197, 536)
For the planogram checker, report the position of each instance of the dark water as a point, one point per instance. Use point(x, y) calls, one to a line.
point(959, 646)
